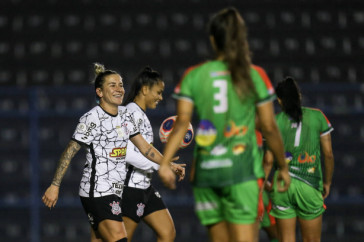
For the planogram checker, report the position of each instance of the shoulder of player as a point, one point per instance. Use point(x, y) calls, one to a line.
point(92, 114)
point(312, 110)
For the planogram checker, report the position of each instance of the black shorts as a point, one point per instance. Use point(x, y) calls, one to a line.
point(101, 208)
point(138, 203)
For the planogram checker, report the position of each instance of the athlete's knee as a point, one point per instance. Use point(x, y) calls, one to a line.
point(167, 234)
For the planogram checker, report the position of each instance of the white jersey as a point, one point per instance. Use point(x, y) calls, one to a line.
point(139, 168)
point(105, 138)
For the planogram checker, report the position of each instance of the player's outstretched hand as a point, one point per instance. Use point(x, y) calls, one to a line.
point(167, 176)
point(179, 170)
point(50, 196)
point(283, 180)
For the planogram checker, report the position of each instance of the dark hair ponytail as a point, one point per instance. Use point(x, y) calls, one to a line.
point(147, 77)
point(290, 95)
point(230, 35)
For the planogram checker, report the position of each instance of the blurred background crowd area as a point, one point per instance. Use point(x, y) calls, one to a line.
point(47, 48)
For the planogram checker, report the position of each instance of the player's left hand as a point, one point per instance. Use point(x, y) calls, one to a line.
point(179, 169)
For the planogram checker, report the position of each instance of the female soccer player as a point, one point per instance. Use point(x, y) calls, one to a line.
point(104, 132)
point(305, 132)
point(227, 93)
point(140, 200)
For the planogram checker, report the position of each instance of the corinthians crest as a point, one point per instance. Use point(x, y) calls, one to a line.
point(140, 210)
point(115, 208)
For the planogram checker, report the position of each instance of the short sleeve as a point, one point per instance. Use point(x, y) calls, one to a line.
point(184, 89)
point(135, 120)
point(263, 86)
point(326, 126)
point(86, 129)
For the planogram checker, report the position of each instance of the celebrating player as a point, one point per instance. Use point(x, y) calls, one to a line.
point(140, 200)
point(104, 132)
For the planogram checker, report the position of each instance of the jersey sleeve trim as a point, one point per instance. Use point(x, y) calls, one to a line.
point(327, 132)
point(132, 135)
point(79, 142)
point(182, 97)
point(266, 100)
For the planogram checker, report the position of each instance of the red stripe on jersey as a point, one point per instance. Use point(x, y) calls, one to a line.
point(188, 70)
point(327, 120)
point(265, 78)
point(260, 199)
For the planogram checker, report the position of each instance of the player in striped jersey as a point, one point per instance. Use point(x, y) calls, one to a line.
point(227, 93)
point(104, 132)
point(306, 133)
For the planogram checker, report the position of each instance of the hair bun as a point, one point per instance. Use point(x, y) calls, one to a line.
point(148, 69)
point(99, 68)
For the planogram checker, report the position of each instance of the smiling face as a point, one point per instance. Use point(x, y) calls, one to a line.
point(154, 95)
point(112, 93)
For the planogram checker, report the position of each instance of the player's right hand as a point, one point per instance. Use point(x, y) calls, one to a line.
point(283, 180)
point(50, 196)
point(179, 170)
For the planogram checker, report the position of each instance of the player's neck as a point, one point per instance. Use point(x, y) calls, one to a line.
point(141, 103)
point(111, 109)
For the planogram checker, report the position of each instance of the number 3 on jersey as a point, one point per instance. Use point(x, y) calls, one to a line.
point(221, 96)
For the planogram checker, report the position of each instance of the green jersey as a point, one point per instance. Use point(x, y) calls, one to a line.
point(226, 149)
point(302, 144)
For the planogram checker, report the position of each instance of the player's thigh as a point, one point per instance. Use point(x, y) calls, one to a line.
point(311, 229)
point(286, 229)
point(162, 223)
point(244, 232)
point(130, 227)
point(95, 237)
point(111, 230)
point(219, 232)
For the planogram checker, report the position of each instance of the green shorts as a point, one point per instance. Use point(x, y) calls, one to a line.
point(236, 204)
point(300, 200)
point(268, 219)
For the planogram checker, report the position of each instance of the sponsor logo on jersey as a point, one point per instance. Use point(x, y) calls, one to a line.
point(288, 156)
point(206, 133)
point(213, 164)
point(140, 210)
point(306, 158)
point(231, 129)
point(219, 150)
point(88, 131)
point(115, 208)
point(120, 132)
point(81, 127)
point(118, 152)
point(311, 170)
point(238, 149)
